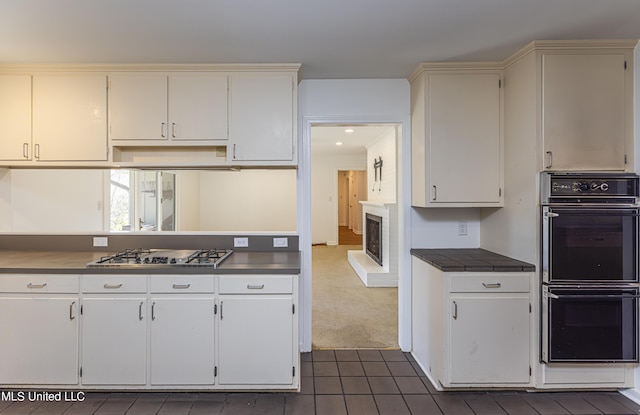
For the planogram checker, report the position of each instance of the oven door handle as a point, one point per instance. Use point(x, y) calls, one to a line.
point(593, 212)
point(592, 297)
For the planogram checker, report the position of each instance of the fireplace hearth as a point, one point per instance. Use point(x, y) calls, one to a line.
point(373, 235)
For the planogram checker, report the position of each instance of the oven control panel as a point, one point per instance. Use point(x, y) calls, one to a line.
point(580, 185)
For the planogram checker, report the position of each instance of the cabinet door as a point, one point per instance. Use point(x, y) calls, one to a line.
point(138, 107)
point(198, 107)
point(15, 117)
point(583, 112)
point(255, 340)
point(70, 117)
point(39, 341)
point(464, 146)
point(182, 341)
point(489, 339)
point(114, 341)
point(262, 117)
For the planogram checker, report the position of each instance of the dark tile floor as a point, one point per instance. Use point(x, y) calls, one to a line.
point(366, 382)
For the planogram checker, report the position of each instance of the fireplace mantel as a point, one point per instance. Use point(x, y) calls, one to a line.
point(372, 274)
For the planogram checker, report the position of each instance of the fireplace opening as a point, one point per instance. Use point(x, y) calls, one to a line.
point(373, 235)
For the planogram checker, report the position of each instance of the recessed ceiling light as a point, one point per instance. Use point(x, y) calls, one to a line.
point(349, 130)
point(339, 143)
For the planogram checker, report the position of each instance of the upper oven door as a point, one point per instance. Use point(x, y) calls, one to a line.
point(589, 244)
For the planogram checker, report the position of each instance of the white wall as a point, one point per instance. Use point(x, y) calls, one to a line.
point(248, 201)
point(324, 191)
point(42, 200)
point(188, 200)
point(438, 228)
point(5, 200)
point(384, 190)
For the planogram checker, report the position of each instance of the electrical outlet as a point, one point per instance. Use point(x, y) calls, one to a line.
point(240, 242)
point(462, 228)
point(100, 241)
point(280, 242)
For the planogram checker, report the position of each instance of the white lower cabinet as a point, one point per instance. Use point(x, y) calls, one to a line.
point(114, 341)
point(116, 331)
point(472, 329)
point(257, 337)
point(489, 339)
point(39, 322)
point(182, 331)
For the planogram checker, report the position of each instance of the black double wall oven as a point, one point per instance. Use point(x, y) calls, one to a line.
point(590, 290)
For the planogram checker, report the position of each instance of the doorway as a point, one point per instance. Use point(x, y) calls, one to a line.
point(345, 313)
point(352, 189)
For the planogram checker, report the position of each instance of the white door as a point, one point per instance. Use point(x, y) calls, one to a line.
point(114, 341)
point(255, 340)
point(489, 339)
point(198, 107)
point(39, 343)
point(15, 117)
point(138, 107)
point(261, 117)
point(70, 117)
point(182, 341)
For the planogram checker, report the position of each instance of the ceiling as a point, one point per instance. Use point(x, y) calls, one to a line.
point(331, 38)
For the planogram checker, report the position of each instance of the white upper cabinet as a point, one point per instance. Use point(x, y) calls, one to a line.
point(15, 117)
point(198, 107)
point(263, 117)
point(163, 107)
point(70, 117)
point(456, 136)
point(586, 117)
point(138, 107)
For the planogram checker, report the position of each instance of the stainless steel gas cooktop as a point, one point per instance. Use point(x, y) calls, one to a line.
point(209, 258)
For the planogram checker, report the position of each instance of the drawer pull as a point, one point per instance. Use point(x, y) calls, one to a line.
point(491, 285)
point(181, 286)
point(113, 286)
point(31, 285)
point(255, 286)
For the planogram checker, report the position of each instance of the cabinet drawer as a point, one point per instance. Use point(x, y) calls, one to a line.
point(182, 284)
point(114, 283)
point(34, 284)
point(256, 284)
point(511, 283)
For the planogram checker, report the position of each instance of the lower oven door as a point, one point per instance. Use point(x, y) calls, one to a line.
point(589, 325)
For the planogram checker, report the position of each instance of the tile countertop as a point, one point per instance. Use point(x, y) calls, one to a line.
point(471, 260)
point(60, 262)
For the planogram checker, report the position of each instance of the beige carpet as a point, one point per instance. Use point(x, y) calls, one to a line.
point(346, 314)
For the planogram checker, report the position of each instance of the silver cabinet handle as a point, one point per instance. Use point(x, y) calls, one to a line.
point(255, 286)
point(435, 192)
point(221, 304)
point(173, 130)
point(31, 285)
point(491, 285)
point(162, 130)
point(25, 150)
point(455, 310)
point(36, 151)
point(550, 158)
point(71, 316)
point(153, 310)
point(181, 286)
point(112, 286)
point(234, 151)
point(140, 310)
